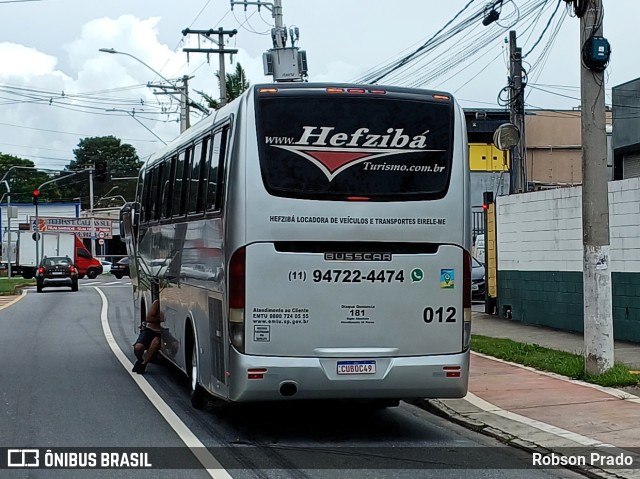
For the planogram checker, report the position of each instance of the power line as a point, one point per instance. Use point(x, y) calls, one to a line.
point(69, 133)
point(423, 65)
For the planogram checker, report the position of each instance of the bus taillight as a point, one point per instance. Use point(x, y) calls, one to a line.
point(466, 300)
point(237, 270)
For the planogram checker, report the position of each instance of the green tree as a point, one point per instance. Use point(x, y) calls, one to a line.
point(236, 83)
point(23, 181)
point(121, 161)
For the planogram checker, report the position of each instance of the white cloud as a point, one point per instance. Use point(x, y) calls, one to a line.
point(24, 63)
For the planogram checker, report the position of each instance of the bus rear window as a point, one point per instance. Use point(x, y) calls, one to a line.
point(337, 147)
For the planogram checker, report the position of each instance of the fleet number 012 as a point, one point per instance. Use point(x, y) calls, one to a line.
point(439, 315)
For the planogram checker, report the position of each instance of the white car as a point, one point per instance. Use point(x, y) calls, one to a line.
point(106, 266)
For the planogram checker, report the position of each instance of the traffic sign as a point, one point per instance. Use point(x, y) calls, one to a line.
point(101, 235)
point(100, 241)
point(35, 236)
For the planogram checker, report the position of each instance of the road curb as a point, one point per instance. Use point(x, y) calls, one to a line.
point(438, 408)
point(21, 294)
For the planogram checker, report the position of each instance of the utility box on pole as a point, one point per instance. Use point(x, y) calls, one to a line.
point(285, 64)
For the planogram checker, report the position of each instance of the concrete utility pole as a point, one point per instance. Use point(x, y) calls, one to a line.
point(518, 178)
point(598, 319)
point(93, 224)
point(280, 33)
point(186, 120)
point(185, 102)
point(221, 50)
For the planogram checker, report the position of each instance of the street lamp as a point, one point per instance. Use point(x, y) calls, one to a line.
point(36, 193)
point(112, 188)
point(124, 201)
point(6, 183)
point(183, 93)
point(113, 51)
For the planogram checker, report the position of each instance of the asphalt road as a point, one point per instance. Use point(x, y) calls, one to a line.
point(61, 385)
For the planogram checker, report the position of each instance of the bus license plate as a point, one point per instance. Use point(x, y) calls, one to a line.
point(356, 367)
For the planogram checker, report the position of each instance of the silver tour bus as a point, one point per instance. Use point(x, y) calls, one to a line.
point(311, 241)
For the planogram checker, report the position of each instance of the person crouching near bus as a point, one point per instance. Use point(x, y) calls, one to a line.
point(149, 339)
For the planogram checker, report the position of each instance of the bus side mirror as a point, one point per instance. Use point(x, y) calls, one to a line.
point(506, 136)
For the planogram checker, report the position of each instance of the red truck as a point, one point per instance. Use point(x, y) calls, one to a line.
point(54, 244)
point(84, 262)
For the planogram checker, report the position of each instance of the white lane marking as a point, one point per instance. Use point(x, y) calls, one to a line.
point(543, 426)
point(210, 463)
point(611, 391)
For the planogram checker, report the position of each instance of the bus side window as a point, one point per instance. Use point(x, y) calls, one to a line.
point(196, 178)
point(212, 184)
point(216, 166)
point(169, 173)
point(204, 163)
point(156, 204)
point(183, 200)
point(178, 184)
point(146, 197)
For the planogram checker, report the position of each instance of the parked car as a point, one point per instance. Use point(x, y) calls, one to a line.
point(478, 248)
point(56, 271)
point(121, 268)
point(106, 266)
point(477, 280)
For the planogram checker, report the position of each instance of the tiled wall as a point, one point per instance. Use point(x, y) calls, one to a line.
point(540, 257)
point(554, 299)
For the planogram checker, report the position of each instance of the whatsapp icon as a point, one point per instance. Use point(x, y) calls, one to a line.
point(417, 275)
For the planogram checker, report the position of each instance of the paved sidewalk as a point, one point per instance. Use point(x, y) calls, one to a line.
point(548, 413)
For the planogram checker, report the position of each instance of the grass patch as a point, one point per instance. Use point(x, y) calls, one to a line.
point(8, 286)
point(551, 360)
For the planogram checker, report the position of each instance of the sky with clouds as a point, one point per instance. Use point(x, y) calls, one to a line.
point(56, 87)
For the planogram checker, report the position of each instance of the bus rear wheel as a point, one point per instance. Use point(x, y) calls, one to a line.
point(198, 395)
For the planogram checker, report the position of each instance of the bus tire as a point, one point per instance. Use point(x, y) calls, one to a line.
point(197, 394)
point(92, 273)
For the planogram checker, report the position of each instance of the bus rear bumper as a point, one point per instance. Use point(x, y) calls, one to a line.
point(264, 378)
